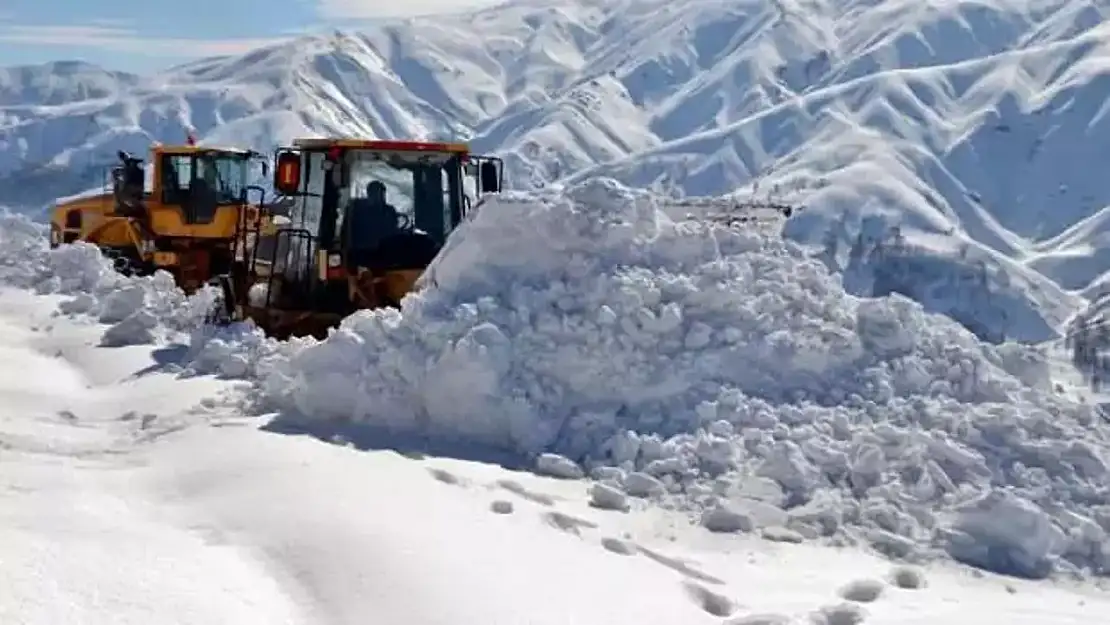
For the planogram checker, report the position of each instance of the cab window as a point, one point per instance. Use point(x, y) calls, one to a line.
point(224, 174)
point(177, 174)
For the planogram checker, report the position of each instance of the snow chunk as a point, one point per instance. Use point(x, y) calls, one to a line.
point(608, 497)
point(1006, 534)
point(722, 518)
point(781, 535)
point(639, 484)
point(136, 328)
point(559, 466)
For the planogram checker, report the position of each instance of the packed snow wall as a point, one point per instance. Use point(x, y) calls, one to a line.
point(558, 322)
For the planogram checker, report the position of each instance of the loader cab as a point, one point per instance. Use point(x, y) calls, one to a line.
point(198, 181)
point(430, 186)
point(367, 218)
point(388, 205)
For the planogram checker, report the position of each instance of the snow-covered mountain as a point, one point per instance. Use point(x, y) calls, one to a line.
point(60, 82)
point(974, 128)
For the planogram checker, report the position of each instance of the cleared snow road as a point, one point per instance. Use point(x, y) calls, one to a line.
point(78, 544)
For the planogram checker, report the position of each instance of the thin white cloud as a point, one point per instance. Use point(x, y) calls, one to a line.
point(376, 9)
point(123, 39)
point(111, 22)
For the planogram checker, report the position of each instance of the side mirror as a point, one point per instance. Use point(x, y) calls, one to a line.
point(489, 178)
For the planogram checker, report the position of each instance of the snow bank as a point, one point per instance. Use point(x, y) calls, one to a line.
point(718, 370)
point(593, 326)
point(140, 310)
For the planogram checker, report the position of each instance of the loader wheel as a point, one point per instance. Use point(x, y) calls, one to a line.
point(122, 261)
point(122, 264)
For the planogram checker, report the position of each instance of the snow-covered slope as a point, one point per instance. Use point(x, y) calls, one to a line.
point(61, 82)
point(965, 123)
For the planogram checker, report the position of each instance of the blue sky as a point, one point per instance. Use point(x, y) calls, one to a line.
point(143, 36)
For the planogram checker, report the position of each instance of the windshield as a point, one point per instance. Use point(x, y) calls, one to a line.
point(399, 185)
point(419, 188)
point(416, 186)
point(225, 174)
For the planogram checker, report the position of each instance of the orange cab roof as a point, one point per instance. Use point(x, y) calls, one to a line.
point(381, 145)
point(197, 149)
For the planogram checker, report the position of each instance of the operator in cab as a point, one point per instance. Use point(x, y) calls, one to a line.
point(367, 222)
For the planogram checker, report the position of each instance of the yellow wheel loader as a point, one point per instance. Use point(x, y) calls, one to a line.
point(190, 222)
point(368, 217)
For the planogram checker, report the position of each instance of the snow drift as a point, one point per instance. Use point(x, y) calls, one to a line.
point(718, 369)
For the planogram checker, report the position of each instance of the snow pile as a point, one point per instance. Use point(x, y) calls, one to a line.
point(140, 310)
point(729, 369)
point(240, 351)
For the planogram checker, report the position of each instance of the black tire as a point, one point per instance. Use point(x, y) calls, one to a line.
point(124, 261)
point(123, 265)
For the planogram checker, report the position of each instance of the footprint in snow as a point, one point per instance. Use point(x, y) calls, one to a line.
point(840, 614)
point(521, 491)
point(713, 603)
point(760, 619)
point(230, 423)
point(679, 566)
point(862, 590)
point(567, 523)
point(445, 476)
point(907, 578)
point(618, 546)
